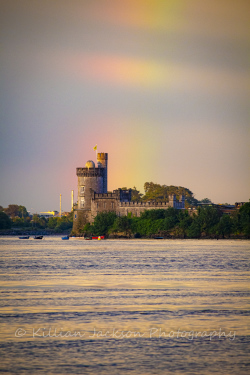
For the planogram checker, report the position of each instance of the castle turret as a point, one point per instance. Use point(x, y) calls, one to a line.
point(89, 179)
point(102, 162)
point(172, 200)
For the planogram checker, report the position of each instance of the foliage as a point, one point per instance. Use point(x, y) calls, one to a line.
point(136, 195)
point(205, 200)
point(5, 222)
point(103, 221)
point(245, 219)
point(208, 222)
point(121, 224)
point(194, 230)
point(22, 222)
point(160, 193)
point(225, 225)
point(208, 218)
point(14, 210)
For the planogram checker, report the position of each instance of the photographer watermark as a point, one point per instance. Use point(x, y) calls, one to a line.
point(44, 333)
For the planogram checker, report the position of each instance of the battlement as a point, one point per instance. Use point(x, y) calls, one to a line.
point(102, 155)
point(144, 204)
point(90, 172)
point(103, 195)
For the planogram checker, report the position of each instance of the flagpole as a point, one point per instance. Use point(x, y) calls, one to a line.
point(95, 148)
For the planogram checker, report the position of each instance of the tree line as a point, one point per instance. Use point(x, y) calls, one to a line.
point(208, 222)
point(17, 217)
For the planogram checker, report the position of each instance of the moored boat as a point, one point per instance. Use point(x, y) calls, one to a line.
point(65, 238)
point(38, 237)
point(98, 238)
point(24, 237)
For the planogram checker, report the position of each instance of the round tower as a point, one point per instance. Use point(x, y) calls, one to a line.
point(102, 161)
point(90, 179)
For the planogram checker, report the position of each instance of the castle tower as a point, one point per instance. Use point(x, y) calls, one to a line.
point(172, 200)
point(90, 179)
point(102, 162)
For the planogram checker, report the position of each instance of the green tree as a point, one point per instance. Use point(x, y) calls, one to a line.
point(22, 212)
point(208, 218)
point(103, 222)
point(194, 230)
point(52, 222)
point(5, 222)
point(185, 221)
point(206, 200)
point(160, 193)
point(63, 224)
point(224, 226)
point(136, 195)
point(245, 219)
point(122, 224)
point(12, 210)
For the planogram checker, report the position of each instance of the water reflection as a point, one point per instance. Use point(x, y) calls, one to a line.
point(124, 286)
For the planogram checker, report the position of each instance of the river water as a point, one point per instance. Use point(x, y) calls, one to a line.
point(124, 306)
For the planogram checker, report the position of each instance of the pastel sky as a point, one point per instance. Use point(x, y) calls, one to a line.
point(161, 85)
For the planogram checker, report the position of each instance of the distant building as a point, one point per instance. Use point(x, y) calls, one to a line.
point(93, 196)
point(49, 214)
point(239, 204)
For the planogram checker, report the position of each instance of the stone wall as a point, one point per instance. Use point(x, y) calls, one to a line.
point(135, 208)
point(80, 218)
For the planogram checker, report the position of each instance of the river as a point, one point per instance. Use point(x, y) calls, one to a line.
point(124, 306)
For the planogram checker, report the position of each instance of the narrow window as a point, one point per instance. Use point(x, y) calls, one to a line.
point(82, 202)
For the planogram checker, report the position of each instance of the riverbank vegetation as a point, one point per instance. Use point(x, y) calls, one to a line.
point(207, 222)
point(16, 219)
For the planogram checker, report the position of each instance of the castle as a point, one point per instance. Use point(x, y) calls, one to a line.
point(93, 195)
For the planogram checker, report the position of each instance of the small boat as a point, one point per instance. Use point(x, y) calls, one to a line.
point(88, 238)
point(159, 238)
point(38, 237)
point(98, 238)
point(24, 237)
point(65, 238)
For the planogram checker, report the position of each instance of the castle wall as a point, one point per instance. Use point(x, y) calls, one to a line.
point(110, 202)
point(136, 208)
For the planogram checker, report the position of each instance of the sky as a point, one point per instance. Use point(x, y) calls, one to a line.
point(162, 86)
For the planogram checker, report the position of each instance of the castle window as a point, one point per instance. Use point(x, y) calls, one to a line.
point(112, 205)
point(97, 205)
point(82, 202)
point(104, 205)
point(82, 188)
